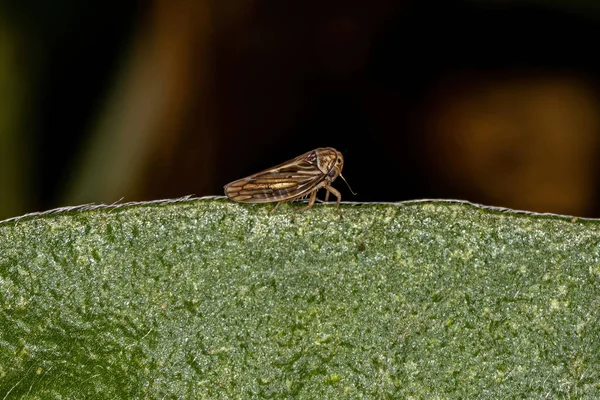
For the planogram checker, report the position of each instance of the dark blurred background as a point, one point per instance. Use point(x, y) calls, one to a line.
point(494, 102)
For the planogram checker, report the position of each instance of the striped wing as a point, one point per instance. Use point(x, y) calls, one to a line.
point(287, 181)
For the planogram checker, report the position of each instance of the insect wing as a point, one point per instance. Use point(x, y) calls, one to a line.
point(287, 181)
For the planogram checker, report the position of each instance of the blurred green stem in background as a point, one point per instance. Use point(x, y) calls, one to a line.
point(142, 117)
point(14, 188)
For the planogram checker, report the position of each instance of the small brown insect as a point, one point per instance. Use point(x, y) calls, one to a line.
point(295, 179)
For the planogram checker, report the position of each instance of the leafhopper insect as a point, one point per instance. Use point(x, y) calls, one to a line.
point(295, 179)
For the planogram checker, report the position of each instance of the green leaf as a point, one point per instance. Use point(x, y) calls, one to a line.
point(213, 299)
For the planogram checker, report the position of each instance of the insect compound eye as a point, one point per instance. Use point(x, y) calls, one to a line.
point(339, 160)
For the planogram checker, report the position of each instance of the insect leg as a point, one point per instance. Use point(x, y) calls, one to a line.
point(326, 195)
point(275, 208)
point(313, 198)
point(335, 193)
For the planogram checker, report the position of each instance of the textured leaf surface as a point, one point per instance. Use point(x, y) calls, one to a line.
point(213, 299)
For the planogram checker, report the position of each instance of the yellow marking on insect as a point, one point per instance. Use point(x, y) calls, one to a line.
point(283, 185)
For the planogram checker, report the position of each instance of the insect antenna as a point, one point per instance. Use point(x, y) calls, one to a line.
point(344, 179)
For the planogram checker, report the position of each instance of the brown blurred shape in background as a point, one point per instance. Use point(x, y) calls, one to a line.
point(495, 103)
